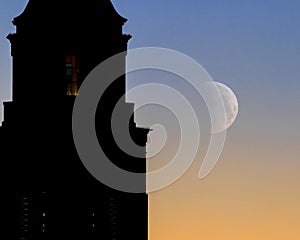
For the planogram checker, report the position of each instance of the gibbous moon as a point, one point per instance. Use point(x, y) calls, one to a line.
point(225, 107)
point(230, 104)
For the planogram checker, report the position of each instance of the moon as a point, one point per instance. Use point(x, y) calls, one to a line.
point(230, 103)
point(231, 106)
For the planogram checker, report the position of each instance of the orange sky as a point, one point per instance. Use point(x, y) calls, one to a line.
point(252, 194)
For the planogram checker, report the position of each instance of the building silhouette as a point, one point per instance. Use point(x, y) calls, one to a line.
point(46, 191)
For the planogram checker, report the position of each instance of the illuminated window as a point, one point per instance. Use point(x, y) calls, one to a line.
point(24, 217)
point(72, 75)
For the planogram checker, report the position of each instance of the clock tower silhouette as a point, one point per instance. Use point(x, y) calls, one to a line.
point(47, 193)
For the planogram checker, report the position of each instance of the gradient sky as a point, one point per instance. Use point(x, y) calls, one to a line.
point(253, 47)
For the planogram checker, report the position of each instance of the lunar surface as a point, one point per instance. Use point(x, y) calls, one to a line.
point(230, 104)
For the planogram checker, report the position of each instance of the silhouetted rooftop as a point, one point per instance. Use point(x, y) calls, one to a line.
point(39, 10)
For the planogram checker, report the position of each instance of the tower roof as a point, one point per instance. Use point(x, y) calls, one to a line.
point(49, 11)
